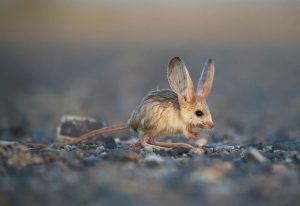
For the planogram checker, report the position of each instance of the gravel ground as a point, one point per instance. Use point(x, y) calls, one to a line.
point(230, 169)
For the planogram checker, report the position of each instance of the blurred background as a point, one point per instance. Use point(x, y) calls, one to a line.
point(99, 58)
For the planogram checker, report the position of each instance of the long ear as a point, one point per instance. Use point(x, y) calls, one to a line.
point(206, 79)
point(180, 80)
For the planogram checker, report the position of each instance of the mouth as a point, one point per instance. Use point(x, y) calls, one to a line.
point(204, 125)
point(208, 125)
point(191, 132)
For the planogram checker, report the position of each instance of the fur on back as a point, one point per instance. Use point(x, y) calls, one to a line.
point(157, 114)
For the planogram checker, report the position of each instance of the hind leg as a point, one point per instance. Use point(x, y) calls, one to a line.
point(146, 142)
point(152, 141)
point(141, 141)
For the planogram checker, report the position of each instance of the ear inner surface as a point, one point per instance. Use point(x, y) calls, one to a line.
point(180, 80)
point(206, 80)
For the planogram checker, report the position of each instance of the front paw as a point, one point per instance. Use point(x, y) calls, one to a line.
point(190, 134)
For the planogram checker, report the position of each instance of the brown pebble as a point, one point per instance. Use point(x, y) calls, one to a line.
point(130, 156)
point(256, 155)
point(99, 149)
point(198, 151)
point(123, 155)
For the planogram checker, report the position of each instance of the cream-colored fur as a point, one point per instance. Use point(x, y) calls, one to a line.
point(168, 112)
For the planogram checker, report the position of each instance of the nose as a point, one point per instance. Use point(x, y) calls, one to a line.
point(209, 125)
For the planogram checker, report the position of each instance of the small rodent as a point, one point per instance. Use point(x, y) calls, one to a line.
point(170, 112)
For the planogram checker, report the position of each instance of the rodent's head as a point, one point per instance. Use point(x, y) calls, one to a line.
point(196, 114)
point(193, 106)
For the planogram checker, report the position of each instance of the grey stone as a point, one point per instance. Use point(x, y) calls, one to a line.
point(75, 126)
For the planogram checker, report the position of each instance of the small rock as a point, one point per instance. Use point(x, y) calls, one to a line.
point(75, 126)
point(224, 147)
point(201, 142)
point(108, 142)
point(153, 160)
point(69, 147)
point(268, 148)
point(178, 151)
point(196, 151)
point(86, 146)
point(8, 143)
point(122, 154)
point(99, 149)
point(90, 160)
point(145, 151)
point(117, 140)
point(256, 155)
point(218, 147)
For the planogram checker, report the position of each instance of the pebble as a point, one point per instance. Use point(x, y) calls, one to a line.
point(219, 147)
point(197, 151)
point(70, 147)
point(99, 149)
point(7, 143)
point(201, 142)
point(178, 151)
point(153, 160)
point(85, 146)
point(75, 126)
point(109, 142)
point(90, 160)
point(256, 155)
point(122, 154)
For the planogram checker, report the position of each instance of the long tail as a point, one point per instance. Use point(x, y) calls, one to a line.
point(98, 132)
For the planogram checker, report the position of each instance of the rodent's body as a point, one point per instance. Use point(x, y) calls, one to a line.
point(170, 112)
point(158, 114)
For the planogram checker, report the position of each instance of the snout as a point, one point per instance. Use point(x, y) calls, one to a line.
point(209, 125)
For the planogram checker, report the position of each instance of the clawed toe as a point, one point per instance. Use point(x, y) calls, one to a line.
point(191, 134)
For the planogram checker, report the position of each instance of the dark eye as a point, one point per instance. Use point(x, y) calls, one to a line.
point(199, 113)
